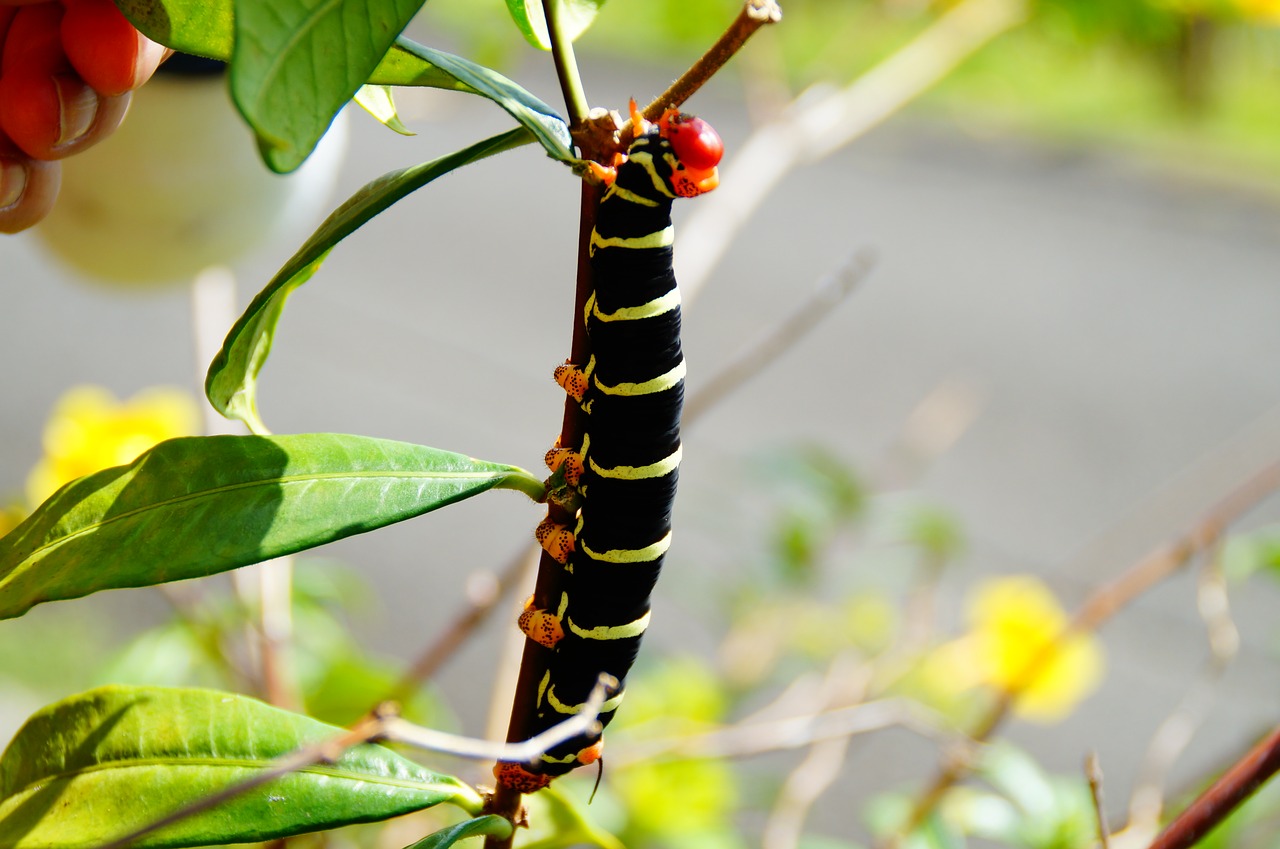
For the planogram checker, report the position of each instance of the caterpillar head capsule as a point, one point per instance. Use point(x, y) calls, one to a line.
point(697, 147)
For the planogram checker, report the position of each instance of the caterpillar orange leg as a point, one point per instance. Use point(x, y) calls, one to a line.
point(555, 539)
point(541, 626)
point(572, 379)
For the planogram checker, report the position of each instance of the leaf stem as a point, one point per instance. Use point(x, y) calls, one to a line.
point(575, 97)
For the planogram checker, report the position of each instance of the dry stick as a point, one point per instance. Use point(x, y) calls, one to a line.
point(752, 358)
point(535, 660)
point(1174, 734)
point(820, 122)
point(1226, 794)
point(465, 624)
point(1093, 772)
point(1104, 603)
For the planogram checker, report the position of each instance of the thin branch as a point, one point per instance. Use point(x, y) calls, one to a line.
point(585, 721)
point(1224, 796)
point(754, 15)
point(752, 358)
point(756, 738)
point(1100, 606)
point(1093, 773)
point(482, 598)
point(1174, 734)
point(822, 121)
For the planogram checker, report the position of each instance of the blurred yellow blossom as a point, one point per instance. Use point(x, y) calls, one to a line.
point(10, 517)
point(1013, 623)
point(90, 430)
point(1263, 11)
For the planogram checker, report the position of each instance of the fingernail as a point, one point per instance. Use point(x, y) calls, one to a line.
point(13, 182)
point(78, 106)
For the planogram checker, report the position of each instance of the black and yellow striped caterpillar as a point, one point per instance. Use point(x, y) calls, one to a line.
point(632, 390)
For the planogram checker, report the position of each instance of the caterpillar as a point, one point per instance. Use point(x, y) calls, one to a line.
point(624, 472)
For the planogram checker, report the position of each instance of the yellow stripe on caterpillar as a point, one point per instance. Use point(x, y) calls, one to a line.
point(560, 707)
point(611, 632)
point(661, 383)
point(631, 555)
point(665, 466)
point(656, 307)
point(615, 190)
point(645, 160)
point(658, 239)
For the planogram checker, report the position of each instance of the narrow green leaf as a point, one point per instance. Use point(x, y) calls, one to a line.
point(232, 381)
point(103, 764)
point(575, 16)
point(196, 506)
point(491, 824)
point(547, 126)
point(297, 62)
point(378, 102)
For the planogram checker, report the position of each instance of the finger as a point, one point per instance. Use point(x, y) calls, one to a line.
point(105, 49)
point(51, 117)
point(27, 191)
point(34, 41)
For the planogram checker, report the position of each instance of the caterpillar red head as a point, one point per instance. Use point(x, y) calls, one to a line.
point(697, 147)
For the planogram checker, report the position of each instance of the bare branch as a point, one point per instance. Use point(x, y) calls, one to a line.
point(1224, 796)
point(822, 121)
point(1093, 772)
point(752, 358)
point(1100, 606)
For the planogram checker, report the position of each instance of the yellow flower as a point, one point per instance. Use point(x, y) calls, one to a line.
point(91, 430)
point(1014, 624)
point(1262, 11)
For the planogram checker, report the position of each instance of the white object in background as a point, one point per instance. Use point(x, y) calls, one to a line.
point(180, 187)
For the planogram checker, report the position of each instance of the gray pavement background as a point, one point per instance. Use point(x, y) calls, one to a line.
point(1118, 320)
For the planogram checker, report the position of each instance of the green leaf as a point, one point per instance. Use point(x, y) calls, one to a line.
point(205, 28)
point(492, 824)
point(232, 382)
point(196, 506)
point(199, 27)
point(378, 102)
point(100, 765)
point(575, 16)
point(547, 127)
point(297, 62)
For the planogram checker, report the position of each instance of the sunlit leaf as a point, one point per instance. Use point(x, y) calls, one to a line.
point(297, 62)
point(378, 102)
point(206, 28)
point(575, 16)
point(200, 505)
point(487, 825)
point(232, 381)
point(105, 763)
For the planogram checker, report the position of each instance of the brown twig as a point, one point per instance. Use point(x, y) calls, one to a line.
point(754, 15)
point(1101, 605)
point(1093, 773)
point(1224, 796)
point(753, 357)
point(462, 627)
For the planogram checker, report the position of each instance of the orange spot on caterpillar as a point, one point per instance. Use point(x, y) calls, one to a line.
point(572, 379)
point(517, 778)
point(541, 626)
point(556, 540)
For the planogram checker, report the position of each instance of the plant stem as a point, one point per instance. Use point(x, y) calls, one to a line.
point(754, 14)
point(575, 98)
point(1226, 794)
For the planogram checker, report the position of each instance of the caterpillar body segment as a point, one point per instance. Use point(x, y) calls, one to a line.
point(632, 391)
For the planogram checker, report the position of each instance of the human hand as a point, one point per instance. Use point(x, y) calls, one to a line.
point(66, 70)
